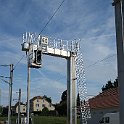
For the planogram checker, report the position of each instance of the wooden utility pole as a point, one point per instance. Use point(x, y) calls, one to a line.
point(119, 24)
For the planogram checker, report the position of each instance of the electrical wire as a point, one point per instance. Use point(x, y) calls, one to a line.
point(47, 25)
point(100, 36)
point(43, 29)
point(18, 62)
point(98, 61)
point(51, 17)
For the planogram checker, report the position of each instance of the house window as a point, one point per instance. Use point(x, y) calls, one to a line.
point(107, 119)
point(37, 100)
point(37, 105)
point(43, 100)
point(43, 105)
point(101, 121)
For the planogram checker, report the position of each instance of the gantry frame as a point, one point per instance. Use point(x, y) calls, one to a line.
point(32, 44)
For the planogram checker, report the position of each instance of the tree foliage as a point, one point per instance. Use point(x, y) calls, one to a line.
point(62, 106)
point(48, 99)
point(110, 85)
point(45, 109)
point(1, 109)
point(78, 100)
point(64, 96)
point(5, 111)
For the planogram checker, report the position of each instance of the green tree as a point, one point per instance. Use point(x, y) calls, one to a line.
point(45, 110)
point(62, 106)
point(103, 88)
point(109, 85)
point(64, 96)
point(47, 98)
point(116, 83)
point(78, 100)
point(1, 109)
point(5, 111)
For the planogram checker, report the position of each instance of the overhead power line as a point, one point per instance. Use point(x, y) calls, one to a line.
point(98, 61)
point(18, 62)
point(101, 60)
point(52, 17)
point(43, 29)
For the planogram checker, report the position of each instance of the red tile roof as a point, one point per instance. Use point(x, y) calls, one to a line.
point(107, 99)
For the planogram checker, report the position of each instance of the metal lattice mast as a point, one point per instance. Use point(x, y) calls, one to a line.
point(82, 90)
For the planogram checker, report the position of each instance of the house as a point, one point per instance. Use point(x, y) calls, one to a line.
point(22, 108)
point(105, 102)
point(37, 103)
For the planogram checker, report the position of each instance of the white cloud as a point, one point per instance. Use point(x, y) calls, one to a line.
point(87, 20)
point(46, 86)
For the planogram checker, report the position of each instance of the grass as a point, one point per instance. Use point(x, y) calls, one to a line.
point(13, 119)
point(49, 120)
point(42, 120)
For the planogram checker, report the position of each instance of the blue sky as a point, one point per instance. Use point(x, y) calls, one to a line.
point(90, 21)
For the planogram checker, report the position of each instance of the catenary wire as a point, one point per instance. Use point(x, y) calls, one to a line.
point(51, 17)
point(18, 62)
point(98, 61)
point(43, 29)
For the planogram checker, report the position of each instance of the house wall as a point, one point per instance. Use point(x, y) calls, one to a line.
point(48, 105)
point(97, 114)
point(22, 109)
point(39, 104)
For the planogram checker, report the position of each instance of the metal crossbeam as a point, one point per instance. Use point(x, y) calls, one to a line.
point(34, 44)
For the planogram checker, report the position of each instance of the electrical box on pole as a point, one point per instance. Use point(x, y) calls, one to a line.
point(25, 46)
point(34, 57)
point(34, 51)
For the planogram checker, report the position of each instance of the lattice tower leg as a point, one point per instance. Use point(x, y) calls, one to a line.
point(82, 90)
